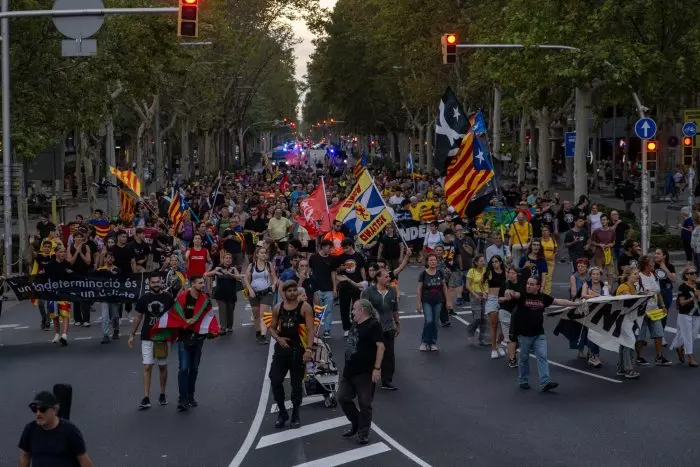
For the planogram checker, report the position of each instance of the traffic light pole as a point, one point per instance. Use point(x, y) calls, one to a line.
point(645, 200)
point(5, 15)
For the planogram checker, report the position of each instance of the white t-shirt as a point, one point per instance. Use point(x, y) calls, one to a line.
point(432, 240)
point(594, 219)
point(495, 250)
point(650, 284)
point(396, 200)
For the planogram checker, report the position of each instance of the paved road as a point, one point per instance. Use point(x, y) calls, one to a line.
point(455, 407)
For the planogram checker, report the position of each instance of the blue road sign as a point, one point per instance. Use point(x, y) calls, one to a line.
point(645, 128)
point(569, 143)
point(690, 129)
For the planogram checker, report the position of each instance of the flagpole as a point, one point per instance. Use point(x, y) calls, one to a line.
point(325, 200)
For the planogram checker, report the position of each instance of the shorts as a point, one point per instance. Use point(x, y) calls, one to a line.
point(59, 309)
point(258, 300)
point(455, 280)
point(147, 355)
point(492, 304)
point(653, 329)
point(504, 318)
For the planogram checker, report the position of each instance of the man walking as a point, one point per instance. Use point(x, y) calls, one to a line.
point(290, 354)
point(364, 352)
point(348, 274)
point(384, 299)
point(321, 264)
point(154, 351)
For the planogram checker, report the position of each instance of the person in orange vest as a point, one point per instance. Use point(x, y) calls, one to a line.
point(336, 237)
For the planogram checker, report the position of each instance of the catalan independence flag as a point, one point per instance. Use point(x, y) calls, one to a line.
point(127, 211)
point(129, 179)
point(358, 169)
point(467, 173)
point(176, 211)
point(101, 227)
point(364, 211)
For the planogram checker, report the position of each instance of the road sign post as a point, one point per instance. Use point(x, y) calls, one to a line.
point(645, 129)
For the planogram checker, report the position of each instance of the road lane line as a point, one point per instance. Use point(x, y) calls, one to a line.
point(348, 456)
point(6, 326)
point(21, 327)
point(305, 430)
point(315, 399)
point(259, 414)
point(83, 338)
point(399, 447)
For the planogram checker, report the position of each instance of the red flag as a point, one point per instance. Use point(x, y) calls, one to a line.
point(327, 221)
point(313, 207)
point(284, 184)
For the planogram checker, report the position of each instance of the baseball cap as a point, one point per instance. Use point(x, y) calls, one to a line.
point(45, 399)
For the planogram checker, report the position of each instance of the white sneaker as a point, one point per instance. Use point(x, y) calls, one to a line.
point(494, 354)
point(55, 339)
point(501, 352)
point(346, 333)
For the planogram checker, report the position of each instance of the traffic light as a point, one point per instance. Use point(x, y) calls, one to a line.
point(449, 48)
point(332, 120)
point(188, 18)
point(652, 147)
point(688, 151)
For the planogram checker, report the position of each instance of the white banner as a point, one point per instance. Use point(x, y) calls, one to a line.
point(611, 321)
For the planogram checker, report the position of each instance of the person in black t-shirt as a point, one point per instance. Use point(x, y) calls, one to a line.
point(122, 253)
point(141, 252)
point(150, 308)
point(391, 247)
point(321, 265)
point(688, 320)
point(44, 226)
point(59, 312)
point(527, 326)
point(629, 257)
point(348, 274)
point(564, 222)
point(364, 353)
point(80, 257)
point(41, 260)
point(51, 441)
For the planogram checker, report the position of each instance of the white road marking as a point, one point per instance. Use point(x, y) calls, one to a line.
point(305, 430)
point(21, 327)
point(6, 326)
point(315, 399)
point(348, 456)
point(259, 414)
point(83, 338)
point(399, 447)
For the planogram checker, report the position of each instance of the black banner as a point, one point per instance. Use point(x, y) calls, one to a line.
point(413, 232)
point(92, 287)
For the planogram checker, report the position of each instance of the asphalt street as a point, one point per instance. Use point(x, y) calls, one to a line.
point(455, 407)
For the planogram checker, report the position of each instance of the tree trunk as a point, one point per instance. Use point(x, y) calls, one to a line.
point(78, 166)
point(185, 158)
point(88, 155)
point(140, 150)
point(496, 126)
point(208, 151)
point(420, 157)
point(522, 161)
point(583, 106)
point(111, 201)
point(544, 160)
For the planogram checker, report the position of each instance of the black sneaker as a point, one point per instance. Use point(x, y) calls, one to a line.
point(631, 375)
point(388, 387)
point(362, 438)
point(145, 404)
point(182, 407)
point(513, 363)
point(524, 385)
point(549, 386)
point(295, 422)
point(350, 432)
point(451, 312)
point(106, 340)
point(282, 418)
point(261, 340)
point(162, 400)
point(446, 324)
point(115, 335)
point(662, 361)
point(192, 404)
point(63, 341)
point(641, 361)
point(326, 334)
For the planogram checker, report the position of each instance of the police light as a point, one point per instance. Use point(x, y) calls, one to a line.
point(188, 18)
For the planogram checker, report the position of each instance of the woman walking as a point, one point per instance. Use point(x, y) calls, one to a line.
point(478, 290)
point(533, 264)
point(430, 296)
point(649, 284)
point(506, 310)
point(549, 248)
point(666, 275)
point(595, 287)
point(688, 317)
point(494, 278)
point(260, 280)
point(625, 360)
point(225, 291)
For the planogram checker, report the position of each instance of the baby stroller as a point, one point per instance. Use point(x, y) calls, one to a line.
point(322, 373)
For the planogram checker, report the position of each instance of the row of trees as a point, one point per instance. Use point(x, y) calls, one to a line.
point(207, 96)
point(382, 72)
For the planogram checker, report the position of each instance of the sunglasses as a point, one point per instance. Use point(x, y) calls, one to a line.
point(691, 272)
point(38, 408)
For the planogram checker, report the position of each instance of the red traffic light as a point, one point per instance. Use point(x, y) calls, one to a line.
point(687, 141)
point(451, 39)
point(190, 2)
point(651, 145)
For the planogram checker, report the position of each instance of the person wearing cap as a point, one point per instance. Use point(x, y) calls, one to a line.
point(290, 353)
point(51, 441)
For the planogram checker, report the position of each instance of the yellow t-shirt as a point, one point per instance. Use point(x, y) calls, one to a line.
point(520, 233)
point(278, 228)
point(625, 289)
point(428, 211)
point(477, 278)
point(548, 247)
point(415, 211)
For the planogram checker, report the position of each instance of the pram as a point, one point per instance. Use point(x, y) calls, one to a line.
point(322, 373)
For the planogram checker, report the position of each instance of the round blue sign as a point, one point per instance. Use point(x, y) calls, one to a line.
point(690, 129)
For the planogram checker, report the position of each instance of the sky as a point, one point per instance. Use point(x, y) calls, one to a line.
point(305, 49)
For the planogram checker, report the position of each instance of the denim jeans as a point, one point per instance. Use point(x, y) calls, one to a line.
point(538, 345)
point(431, 312)
point(189, 356)
point(326, 298)
point(625, 359)
point(42, 311)
point(110, 315)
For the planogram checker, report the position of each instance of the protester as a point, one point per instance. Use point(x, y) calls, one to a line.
point(364, 353)
point(110, 311)
point(260, 280)
point(430, 297)
point(321, 264)
point(505, 312)
point(478, 289)
point(649, 284)
point(688, 318)
point(225, 293)
point(350, 271)
point(626, 360)
point(494, 278)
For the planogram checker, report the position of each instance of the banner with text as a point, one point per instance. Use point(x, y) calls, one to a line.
point(93, 287)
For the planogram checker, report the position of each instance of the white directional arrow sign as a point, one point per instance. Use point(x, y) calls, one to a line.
point(645, 128)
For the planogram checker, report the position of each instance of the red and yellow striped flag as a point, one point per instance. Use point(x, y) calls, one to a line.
point(176, 211)
point(467, 173)
point(128, 206)
point(129, 179)
point(358, 169)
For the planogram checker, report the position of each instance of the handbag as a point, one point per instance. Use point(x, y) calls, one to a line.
point(607, 254)
point(160, 350)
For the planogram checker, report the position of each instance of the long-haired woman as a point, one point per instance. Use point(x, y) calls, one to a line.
point(533, 264)
point(649, 284)
point(225, 292)
point(688, 321)
point(478, 290)
point(549, 248)
point(493, 279)
point(594, 287)
point(430, 296)
point(628, 286)
point(260, 280)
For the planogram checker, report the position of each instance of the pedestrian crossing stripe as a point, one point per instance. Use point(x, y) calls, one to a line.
point(308, 400)
point(348, 456)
